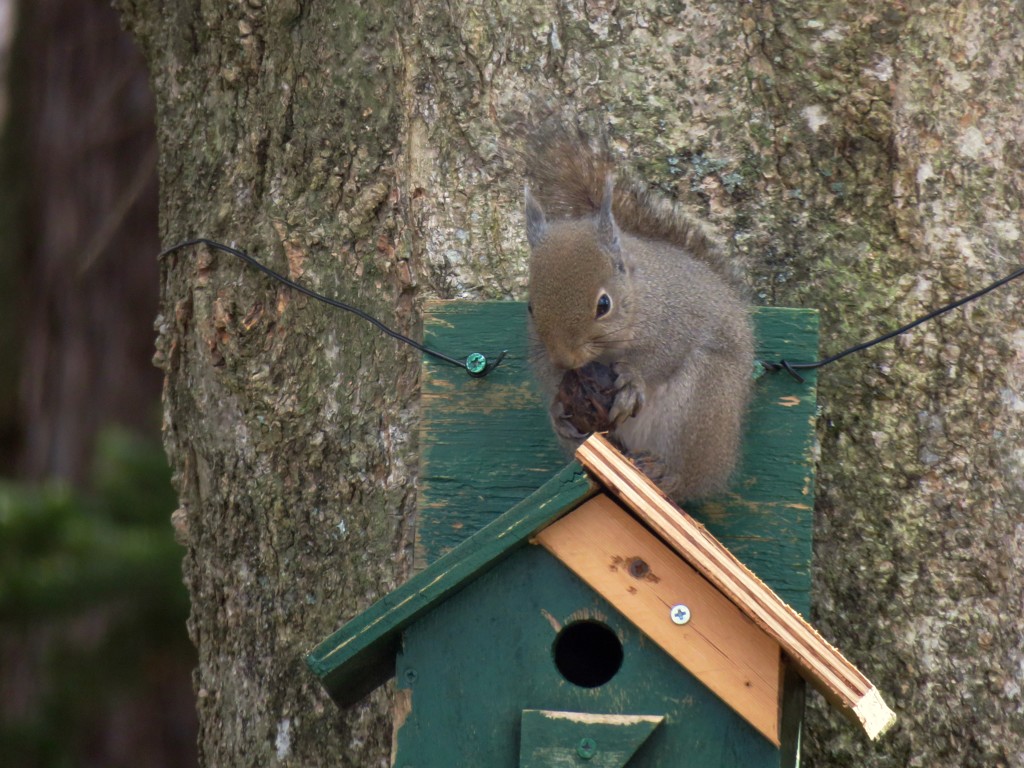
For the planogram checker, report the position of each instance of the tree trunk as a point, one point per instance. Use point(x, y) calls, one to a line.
point(863, 158)
point(289, 425)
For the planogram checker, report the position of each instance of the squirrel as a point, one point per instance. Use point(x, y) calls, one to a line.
point(622, 278)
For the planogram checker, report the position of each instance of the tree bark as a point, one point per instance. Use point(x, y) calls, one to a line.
point(289, 425)
point(861, 158)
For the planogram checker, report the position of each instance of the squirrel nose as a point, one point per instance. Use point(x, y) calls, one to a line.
point(568, 358)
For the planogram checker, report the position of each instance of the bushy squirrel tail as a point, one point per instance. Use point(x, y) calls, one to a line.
point(566, 172)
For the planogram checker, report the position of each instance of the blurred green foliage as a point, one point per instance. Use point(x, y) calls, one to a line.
point(92, 606)
point(62, 549)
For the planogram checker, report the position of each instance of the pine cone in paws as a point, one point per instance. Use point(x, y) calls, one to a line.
point(586, 395)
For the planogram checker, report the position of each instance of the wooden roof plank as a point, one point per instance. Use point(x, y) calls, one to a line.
point(361, 655)
point(818, 661)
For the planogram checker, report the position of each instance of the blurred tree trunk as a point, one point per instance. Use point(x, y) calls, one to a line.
point(10, 345)
point(78, 291)
point(863, 159)
point(84, 165)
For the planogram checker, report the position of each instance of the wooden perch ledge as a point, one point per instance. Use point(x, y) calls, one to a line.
point(818, 661)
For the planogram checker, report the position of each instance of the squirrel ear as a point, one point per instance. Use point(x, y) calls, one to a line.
point(536, 223)
point(607, 229)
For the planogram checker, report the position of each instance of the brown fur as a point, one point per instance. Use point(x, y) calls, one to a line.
point(566, 172)
point(677, 333)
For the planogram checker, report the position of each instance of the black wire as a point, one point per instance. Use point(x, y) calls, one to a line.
point(792, 368)
point(490, 366)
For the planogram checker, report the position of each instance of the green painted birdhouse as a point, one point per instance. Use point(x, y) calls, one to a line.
point(573, 615)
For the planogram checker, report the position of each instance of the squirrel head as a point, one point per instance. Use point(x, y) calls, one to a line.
point(579, 285)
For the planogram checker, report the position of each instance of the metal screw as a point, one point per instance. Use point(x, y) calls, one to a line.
point(638, 569)
point(587, 748)
point(410, 675)
point(680, 614)
point(476, 363)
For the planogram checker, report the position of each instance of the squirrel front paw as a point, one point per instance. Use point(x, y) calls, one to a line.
point(629, 394)
point(563, 424)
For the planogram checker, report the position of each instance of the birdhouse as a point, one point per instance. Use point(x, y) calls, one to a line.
point(577, 616)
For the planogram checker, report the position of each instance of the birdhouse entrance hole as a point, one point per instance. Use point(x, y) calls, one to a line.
point(587, 653)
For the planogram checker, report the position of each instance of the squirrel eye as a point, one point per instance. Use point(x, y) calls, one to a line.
point(604, 305)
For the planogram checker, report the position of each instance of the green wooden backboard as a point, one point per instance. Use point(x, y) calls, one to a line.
point(486, 443)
